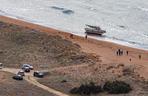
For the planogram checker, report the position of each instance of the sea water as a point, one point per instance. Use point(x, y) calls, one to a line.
point(126, 21)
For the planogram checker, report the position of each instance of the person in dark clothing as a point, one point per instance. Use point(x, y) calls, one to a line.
point(139, 56)
point(86, 36)
point(130, 59)
point(126, 52)
point(119, 52)
point(71, 36)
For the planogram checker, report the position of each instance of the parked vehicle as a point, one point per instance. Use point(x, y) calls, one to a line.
point(38, 74)
point(27, 65)
point(1, 65)
point(26, 69)
point(18, 77)
point(21, 72)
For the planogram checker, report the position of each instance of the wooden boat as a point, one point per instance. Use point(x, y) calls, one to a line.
point(96, 30)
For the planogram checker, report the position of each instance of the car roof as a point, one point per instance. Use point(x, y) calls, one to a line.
point(21, 71)
point(19, 75)
point(26, 67)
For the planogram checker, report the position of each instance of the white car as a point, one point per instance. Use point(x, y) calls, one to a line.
point(27, 65)
point(1, 65)
point(21, 72)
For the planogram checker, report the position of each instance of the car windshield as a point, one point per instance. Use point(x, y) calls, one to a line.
point(26, 65)
point(40, 73)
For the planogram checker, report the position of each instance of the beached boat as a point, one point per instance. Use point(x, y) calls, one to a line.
point(96, 30)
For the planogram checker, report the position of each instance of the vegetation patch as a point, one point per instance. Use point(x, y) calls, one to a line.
point(117, 87)
point(86, 89)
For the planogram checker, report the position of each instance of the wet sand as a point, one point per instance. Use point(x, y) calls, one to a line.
point(106, 50)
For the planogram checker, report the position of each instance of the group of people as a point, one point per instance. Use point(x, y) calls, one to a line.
point(120, 52)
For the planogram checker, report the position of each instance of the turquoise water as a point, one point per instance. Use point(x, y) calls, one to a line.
point(126, 21)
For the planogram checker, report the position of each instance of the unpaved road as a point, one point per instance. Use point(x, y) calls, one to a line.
point(32, 80)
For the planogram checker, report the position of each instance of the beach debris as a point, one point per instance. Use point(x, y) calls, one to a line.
point(96, 30)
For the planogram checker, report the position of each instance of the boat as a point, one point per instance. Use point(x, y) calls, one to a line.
point(96, 30)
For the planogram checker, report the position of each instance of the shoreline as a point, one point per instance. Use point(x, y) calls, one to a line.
point(48, 29)
point(105, 39)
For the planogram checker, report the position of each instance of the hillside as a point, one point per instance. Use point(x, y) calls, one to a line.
point(20, 45)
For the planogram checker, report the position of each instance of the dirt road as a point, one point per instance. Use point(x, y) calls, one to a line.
point(32, 80)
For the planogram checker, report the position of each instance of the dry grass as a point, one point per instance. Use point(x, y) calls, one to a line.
point(98, 73)
point(23, 45)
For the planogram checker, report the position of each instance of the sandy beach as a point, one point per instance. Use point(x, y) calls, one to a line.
point(133, 52)
point(106, 51)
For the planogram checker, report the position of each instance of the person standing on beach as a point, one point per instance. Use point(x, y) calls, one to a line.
point(86, 36)
point(71, 36)
point(139, 56)
point(121, 52)
point(126, 52)
point(117, 52)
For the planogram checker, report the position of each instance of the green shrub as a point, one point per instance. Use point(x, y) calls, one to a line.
point(86, 89)
point(117, 87)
